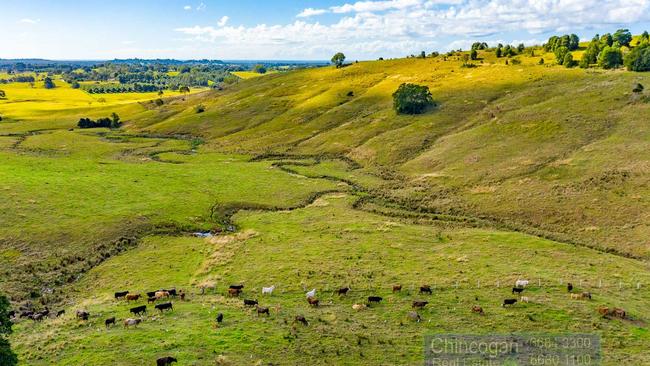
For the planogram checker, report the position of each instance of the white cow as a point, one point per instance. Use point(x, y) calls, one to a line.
point(311, 293)
point(521, 283)
point(268, 290)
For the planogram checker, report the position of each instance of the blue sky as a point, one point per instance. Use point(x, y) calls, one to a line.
point(297, 30)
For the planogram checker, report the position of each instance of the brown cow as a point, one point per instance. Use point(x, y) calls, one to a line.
point(302, 319)
point(426, 289)
point(161, 294)
point(477, 309)
point(419, 304)
point(312, 301)
point(233, 292)
point(603, 310)
point(397, 288)
point(132, 297)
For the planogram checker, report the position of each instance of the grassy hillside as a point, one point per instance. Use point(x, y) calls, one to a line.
point(522, 171)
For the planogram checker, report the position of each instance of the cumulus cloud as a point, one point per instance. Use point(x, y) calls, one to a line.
point(309, 12)
point(398, 27)
point(29, 21)
point(187, 7)
point(223, 21)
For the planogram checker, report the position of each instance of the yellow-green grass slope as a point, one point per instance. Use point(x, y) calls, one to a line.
point(542, 148)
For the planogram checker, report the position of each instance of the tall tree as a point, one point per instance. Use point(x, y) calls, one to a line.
point(48, 83)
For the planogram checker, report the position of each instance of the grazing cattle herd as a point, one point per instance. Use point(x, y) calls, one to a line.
point(27, 311)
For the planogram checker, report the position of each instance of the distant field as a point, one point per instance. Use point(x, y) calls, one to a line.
point(251, 74)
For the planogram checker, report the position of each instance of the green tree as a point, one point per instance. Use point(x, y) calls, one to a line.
point(473, 55)
point(115, 120)
point(638, 59)
point(590, 56)
point(48, 83)
point(521, 47)
point(75, 85)
point(645, 37)
point(3, 94)
point(423, 54)
point(574, 42)
point(338, 59)
point(260, 69)
point(568, 60)
point(560, 53)
point(412, 99)
point(606, 40)
point(499, 52)
point(7, 357)
point(623, 36)
point(610, 58)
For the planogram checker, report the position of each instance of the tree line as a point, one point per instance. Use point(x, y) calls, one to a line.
point(105, 122)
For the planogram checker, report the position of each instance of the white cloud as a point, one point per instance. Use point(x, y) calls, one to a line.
point(29, 21)
point(398, 27)
point(309, 12)
point(201, 7)
point(187, 7)
point(223, 21)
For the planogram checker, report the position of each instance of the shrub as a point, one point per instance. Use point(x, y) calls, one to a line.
point(199, 108)
point(3, 94)
point(560, 54)
point(610, 58)
point(516, 61)
point(638, 88)
point(260, 69)
point(473, 55)
point(75, 85)
point(412, 99)
point(568, 60)
point(158, 102)
point(638, 59)
point(7, 357)
point(48, 83)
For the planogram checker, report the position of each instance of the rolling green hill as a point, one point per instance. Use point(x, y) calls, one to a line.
point(312, 181)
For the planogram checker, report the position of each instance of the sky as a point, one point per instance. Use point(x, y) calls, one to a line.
point(295, 30)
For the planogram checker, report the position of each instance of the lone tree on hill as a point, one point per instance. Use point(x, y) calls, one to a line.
point(7, 357)
point(338, 59)
point(412, 99)
point(48, 83)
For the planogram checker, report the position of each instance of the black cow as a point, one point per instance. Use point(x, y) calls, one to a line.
point(517, 290)
point(165, 361)
point(262, 310)
point(236, 287)
point(219, 318)
point(569, 287)
point(60, 312)
point(121, 294)
point(26, 314)
point(343, 291)
point(82, 314)
point(109, 321)
point(142, 309)
point(426, 289)
point(151, 294)
point(164, 306)
point(151, 299)
point(509, 302)
point(250, 302)
point(12, 313)
point(376, 299)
